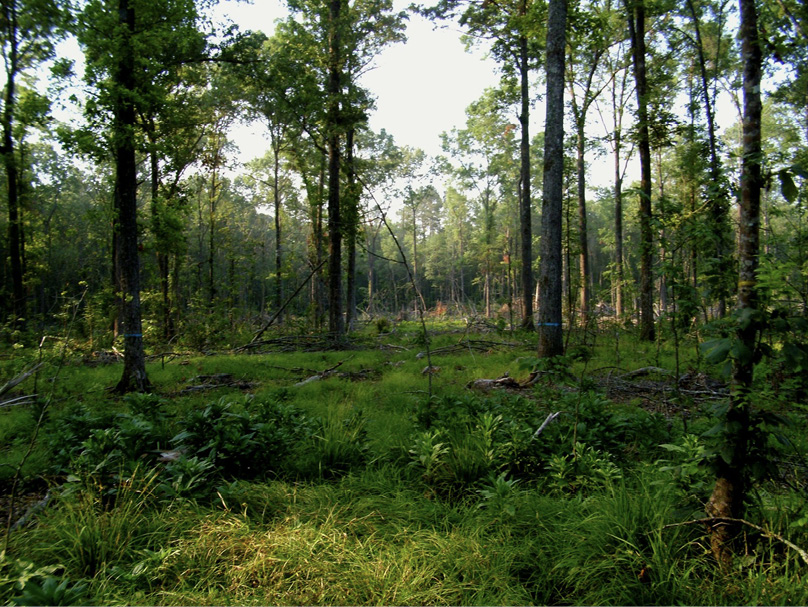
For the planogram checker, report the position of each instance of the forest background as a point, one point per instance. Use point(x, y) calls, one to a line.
point(132, 235)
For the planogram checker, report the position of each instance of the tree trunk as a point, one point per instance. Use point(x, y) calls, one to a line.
point(583, 240)
point(351, 228)
point(162, 257)
point(550, 336)
point(10, 161)
point(618, 228)
point(134, 369)
point(730, 487)
point(213, 199)
point(636, 22)
point(525, 228)
point(276, 198)
point(716, 190)
point(336, 325)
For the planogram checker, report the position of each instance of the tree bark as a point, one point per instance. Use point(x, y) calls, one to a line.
point(525, 227)
point(162, 257)
point(727, 499)
point(636, 23)
point(351, 230)
point(716, 189)
point(134, 369)
point(550, 335)
point(618, 227)
point(336, 324)
point(10, 162)
point(276, 198)
point(583, 237)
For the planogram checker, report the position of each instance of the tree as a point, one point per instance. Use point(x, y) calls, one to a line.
point(717, 190)
point(128, 45)
point(619, 92)
point(485, 153)
point(550, 334)
point(123, 148)
point(636, 23)
point(28, 32)
point(341, 39)
point(589, 43)
point(729, 493)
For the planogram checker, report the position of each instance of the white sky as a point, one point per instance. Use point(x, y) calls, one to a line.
point(422, 87)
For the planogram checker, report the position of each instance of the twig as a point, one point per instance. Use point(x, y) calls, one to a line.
point(323, 374)
point(722, 519)
point(260, 332)
point(547, 420)
point(19, 400)
point(419, 295)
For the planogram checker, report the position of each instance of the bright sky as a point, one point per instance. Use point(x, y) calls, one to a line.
point(422, 87)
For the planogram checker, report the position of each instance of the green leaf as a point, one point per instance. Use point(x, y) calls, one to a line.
point(747, 316)
point(716, 350)
point(726, 452)
point(787, 186)
point(716, 430)
point(742, 353)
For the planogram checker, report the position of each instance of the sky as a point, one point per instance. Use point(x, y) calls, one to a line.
point(422, 87)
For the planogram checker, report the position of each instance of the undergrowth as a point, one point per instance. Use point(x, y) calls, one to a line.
point(364, 489)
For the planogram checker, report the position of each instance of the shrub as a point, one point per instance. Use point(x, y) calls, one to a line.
point(247, 443)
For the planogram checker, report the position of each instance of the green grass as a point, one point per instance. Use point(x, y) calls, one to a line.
point(352, 517)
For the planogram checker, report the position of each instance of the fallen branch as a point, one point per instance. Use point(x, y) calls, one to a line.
point(10, 384)
point(471, 344)
point(546, 421)
point(647, 371)
point(280, 310)
point(505, 381)
point(40, 505)
point(217, 380)
point(322, 374)
point(713, 520)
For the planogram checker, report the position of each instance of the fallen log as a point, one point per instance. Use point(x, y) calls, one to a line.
point(505, 381)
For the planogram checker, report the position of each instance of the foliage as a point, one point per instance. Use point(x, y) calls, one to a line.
point(247, 443)
point(388, 497)
point(52, 592)
point(584, 469)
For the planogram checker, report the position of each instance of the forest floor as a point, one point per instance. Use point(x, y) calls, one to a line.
point(286, 472)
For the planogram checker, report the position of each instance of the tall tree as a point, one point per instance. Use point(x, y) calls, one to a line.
point(636, 23)
point(717, 188)
point(342, 38)
point(123, 90)
point(128, 45)
point(729, 493)
point(550, 333)
point(485, 152)
point(28, 32)
point(590, 40)
point(619, 93)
